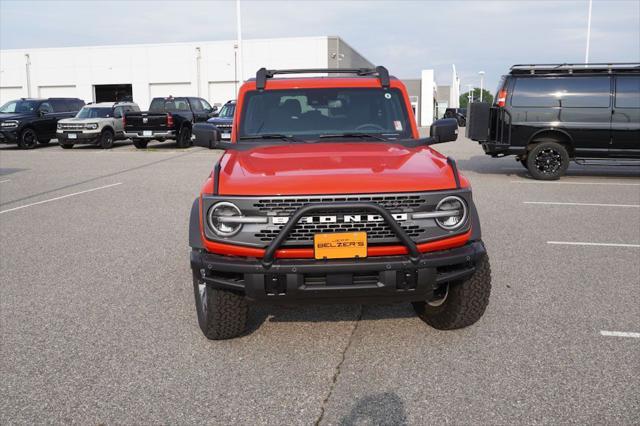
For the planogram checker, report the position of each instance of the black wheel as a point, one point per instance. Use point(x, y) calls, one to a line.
point(222, 314)
point(28, 139)
point(44, 141)
point(66, 145)
point(106, 139)
point(184, 138)
point(459, 304)
point(140, 144)
point(547, 161)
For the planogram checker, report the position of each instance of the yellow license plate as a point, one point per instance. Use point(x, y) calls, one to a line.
point(340, 245)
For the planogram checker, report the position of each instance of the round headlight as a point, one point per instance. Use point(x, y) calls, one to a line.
point(458, 209)
point(59, 126)
point(91, 126)
point(218, 219)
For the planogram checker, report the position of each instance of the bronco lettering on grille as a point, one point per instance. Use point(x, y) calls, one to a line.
point(349, 218)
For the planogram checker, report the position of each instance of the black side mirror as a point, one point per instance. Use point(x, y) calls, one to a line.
point(41, 113)
point(206, 135)
point(444, 130)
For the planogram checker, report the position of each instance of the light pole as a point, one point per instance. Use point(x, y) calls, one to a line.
point(481, 83)
point(235, 69)
point(470, 92)
point(586, 55)
point(239, 40)
point(28, 67)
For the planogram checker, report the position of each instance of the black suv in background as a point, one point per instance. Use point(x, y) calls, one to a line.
point(28, 122)
point(224, 119)
point(167, 118)
point(549, 114)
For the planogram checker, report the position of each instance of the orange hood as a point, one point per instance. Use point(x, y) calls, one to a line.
point(334, 168)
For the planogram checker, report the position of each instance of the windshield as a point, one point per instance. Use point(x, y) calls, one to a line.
point(313, 113)
point(19, 106)
point(88, 112)
point(227, 111)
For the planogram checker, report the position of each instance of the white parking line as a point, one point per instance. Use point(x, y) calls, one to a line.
point(552, 203)
point(576, 183)
point(61, 197)
point(577, 243)
point(6, 180)
point(620, 334)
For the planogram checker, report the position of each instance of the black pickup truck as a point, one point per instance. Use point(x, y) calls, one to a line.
point(167, 118)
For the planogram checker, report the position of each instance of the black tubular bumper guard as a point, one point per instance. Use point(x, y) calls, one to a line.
point(269, 254)
point(379, 279)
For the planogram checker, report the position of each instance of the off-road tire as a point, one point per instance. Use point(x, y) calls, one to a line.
point(547, 161)
point(465, 302)
point(28, 139)
point(66, 145)
point(184, 138)
point(140, 144)
point(106, 139)
point(226, 314)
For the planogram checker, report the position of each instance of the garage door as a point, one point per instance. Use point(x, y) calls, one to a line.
point(10, 93)
point(221, 91)
point(57, 92)
point(162, 90)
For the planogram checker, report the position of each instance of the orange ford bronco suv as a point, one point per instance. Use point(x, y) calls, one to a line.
point(327, 194)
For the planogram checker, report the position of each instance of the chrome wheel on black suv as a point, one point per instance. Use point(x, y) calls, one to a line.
point(547, 160)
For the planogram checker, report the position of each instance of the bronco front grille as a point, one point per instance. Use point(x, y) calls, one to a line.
point(304, 232)
point(69, 126)
point(377, 232)
point(401, 206)
point(286, 206)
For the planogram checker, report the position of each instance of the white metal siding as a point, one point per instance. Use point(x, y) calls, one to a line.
point(145, 64)
point(57, 92)
point(157, 90)
point(221, 91)
point(9, 93)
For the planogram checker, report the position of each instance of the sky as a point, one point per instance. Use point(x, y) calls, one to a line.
point(404, 36)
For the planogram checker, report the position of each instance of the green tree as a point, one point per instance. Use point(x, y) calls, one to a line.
point(486, 97)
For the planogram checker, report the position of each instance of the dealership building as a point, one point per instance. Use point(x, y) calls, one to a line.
point(209, 69)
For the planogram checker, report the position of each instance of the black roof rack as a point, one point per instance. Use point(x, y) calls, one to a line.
point(575, 68)
point(383, 75)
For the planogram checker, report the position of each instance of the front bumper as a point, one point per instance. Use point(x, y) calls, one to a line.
point(370, 280)
point(80, 137)
point(171, 134)
point(8, 135)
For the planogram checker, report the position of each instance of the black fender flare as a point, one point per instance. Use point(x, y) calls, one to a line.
point(476, 231)
point(195, 241)
point(110, 129)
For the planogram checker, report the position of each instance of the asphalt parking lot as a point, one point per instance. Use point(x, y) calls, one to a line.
point(98, 323)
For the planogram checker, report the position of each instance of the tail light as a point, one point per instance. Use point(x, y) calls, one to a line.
point(169, 120)
point(502, 98)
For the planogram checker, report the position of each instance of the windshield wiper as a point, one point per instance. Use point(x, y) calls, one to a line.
point(271, 136)
point(353, 135)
